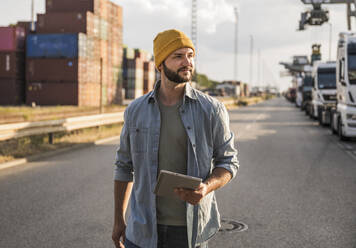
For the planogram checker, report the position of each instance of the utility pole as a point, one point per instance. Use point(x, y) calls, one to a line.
point(194, 24)
point(236, 43)
point(251, 59)
point(32, 28)
point(330, 39)
point(259, 67)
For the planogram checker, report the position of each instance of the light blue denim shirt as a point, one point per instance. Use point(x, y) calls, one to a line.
point(210, 145)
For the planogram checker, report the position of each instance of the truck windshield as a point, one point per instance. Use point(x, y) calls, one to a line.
point(352, 68)
point(327, 78)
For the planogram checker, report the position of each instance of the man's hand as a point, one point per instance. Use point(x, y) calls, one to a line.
point(117, 233)
point(192, 196)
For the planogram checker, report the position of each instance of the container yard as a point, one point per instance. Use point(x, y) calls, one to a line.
point(12, 65)
point(138, 72)
point(75, 55)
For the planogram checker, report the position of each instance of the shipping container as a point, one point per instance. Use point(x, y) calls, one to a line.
point(12, 91)
point(129, 53)
point(12, 39)
point(12, 65)
point(148, 76)
point(89, 94)
point(63, 70)
point(52, 93)
point(27, 26)
point(133, 93)
point(59, 46)
point(115, 14)
point(68, 22)
point(98, 7)
point(72, 6)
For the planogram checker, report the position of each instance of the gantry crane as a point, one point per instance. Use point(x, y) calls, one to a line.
point(318, 15)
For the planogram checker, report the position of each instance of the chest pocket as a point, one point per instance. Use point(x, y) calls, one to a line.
point(138, 139)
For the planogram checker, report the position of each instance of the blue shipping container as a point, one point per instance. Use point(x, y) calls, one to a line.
point(52, 45)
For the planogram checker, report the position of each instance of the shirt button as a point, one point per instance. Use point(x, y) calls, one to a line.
point(183, 111)
point(188, 127)
point(194, 145)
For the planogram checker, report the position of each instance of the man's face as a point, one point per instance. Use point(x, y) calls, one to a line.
point(179, 65)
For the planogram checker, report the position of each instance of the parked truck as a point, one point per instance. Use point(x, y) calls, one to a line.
point(324, 91)
point(344, 115)
point(307, 92)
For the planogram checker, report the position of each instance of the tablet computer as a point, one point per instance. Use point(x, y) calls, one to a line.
point(167, 181)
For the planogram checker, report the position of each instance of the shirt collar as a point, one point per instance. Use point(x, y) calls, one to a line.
point(188, 92)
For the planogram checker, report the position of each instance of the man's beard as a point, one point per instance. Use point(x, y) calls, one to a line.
point(174, 76)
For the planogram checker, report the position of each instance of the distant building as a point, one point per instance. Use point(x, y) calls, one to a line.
point(233, 88)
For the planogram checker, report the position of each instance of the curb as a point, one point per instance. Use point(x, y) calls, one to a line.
point(20, 161)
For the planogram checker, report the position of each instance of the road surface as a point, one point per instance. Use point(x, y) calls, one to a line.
point(296, 187)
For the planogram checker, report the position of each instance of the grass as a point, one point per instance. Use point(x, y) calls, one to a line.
point(38, 113)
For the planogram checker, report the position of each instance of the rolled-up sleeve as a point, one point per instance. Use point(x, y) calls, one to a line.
point(224, 154)
point(123, 163)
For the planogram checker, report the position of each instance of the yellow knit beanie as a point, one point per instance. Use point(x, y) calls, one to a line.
point(167, 42)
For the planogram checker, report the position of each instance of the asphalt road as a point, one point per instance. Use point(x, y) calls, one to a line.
point(296, 187)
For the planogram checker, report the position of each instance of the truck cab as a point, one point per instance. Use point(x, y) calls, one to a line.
point(307, 91)
point(344, 117)
point(324, 91)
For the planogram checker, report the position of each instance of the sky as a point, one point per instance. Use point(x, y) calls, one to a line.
point(271, 23)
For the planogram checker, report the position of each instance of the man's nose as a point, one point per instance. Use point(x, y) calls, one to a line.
point(187, 61)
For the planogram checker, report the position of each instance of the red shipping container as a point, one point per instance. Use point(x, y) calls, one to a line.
point(52, 93)
point(12, 65)
point(12, 39)
point(63, 70)
point(67, 22)
point(12, 91)
point(98, 7)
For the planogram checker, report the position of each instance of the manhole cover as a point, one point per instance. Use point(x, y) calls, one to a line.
point(232, 226)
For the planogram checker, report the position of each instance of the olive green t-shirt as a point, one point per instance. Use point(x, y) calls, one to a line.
point(172, 156)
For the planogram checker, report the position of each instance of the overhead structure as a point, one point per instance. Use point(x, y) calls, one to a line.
point(318, 16)
point(301, 63)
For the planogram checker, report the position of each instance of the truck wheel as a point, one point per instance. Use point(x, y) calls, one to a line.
point(339, 129)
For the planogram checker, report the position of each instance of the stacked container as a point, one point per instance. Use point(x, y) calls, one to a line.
point(149, 76)
point(138, 72)
point(78, 47)
point(12, 65)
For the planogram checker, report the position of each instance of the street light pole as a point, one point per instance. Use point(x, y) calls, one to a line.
point(236, 44)
point(251, 58)
point(259, 67)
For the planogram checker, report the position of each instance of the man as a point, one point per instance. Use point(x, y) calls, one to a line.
point(175, 128)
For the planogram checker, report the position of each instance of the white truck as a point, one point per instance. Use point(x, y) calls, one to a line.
point(324, 91)
point(344, 115)
point(299, 91)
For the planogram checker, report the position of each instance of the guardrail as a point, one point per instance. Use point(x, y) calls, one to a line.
point(18, 130)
